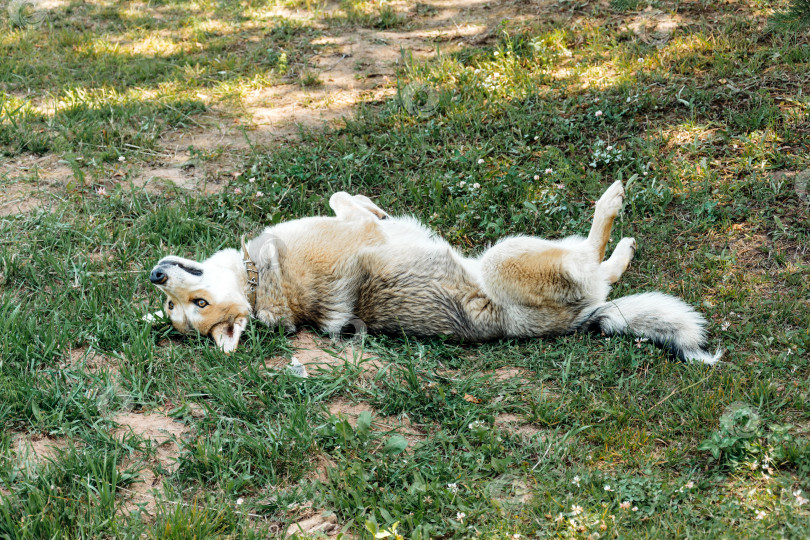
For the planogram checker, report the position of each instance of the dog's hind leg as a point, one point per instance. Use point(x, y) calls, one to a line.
point(607, 208)
point(539, 283)
point(613, 268)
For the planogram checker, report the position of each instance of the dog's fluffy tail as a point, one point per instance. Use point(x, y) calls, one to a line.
point(667, 321)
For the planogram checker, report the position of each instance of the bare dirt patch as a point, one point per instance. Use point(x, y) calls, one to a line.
point(351, 411)
point(19, 199)
point(752, 250)
point(163, 433)
point(92, 361)
point(161, 178)
point(654, 27)
point(509, 373)
point(28, 182)
point(37, 449)
point(517, 425)
point(321, 464)
point(400, 424)
point(315, 352)
point(318, 525)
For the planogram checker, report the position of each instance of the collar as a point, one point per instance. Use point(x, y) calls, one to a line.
point(252, 276)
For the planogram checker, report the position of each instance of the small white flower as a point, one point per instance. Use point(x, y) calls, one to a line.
point(598, 113)
point(460, 516)
point(537, 137)
point(537, 177)
point(635, 509)
point(102, 191)
point(252, 179)
point(640, 60)
point(625, 505)
point(481, 161)
point(761, 514)
point(259, 194)
point(476, 185)
point(559, 518)
point(608, 488)
point(496, 53)
point(122, 159)
point(549, 171)
point(576, 510)
point(237, 191)
point(462, 183)
point(239, 501)
point(690, 485)
point(575, 481)
point(453, 487)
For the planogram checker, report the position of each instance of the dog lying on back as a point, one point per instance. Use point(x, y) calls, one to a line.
point(377, 273)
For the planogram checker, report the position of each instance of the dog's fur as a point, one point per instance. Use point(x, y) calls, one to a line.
point(367, 270)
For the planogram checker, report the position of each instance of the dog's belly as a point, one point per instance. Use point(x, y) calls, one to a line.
point(423, 291)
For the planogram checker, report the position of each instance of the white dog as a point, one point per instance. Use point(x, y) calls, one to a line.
point(367, 270)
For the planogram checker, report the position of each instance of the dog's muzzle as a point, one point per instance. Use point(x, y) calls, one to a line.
point(158, 276)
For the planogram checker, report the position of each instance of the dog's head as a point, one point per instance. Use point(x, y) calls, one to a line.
point(208, 297)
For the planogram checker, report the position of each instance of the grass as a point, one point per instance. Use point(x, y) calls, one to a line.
point(518, 135)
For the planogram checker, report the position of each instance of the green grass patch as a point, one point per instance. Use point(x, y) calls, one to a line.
point(517, 136)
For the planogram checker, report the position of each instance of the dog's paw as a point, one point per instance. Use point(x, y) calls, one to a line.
point(627, 244)
point(366, 203)
point(272, 320)
point(611, 200)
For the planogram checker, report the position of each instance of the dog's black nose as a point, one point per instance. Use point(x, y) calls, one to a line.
point(158, 276)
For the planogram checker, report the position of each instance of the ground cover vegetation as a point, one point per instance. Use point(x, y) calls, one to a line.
point(112, 427)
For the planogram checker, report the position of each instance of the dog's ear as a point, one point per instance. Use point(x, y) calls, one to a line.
point(226, 334)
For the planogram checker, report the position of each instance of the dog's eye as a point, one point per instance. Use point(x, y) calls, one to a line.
point(171, 304)
point(200, 302)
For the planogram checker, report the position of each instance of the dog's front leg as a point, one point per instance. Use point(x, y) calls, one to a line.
point(271, 319)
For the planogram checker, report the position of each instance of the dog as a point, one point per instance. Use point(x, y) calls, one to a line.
point(366, 270)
